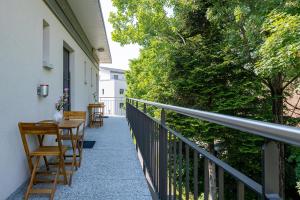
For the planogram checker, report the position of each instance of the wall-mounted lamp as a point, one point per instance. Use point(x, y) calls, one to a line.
point(43, 90)
point(47, 66)
point(100, 49)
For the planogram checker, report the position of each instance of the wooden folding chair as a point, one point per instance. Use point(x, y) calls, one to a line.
point(79, 137)
point(96, 113)
point(39, 131)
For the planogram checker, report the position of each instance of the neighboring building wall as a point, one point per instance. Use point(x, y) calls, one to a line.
point(119, 84)
point(293, 105)
point(106, 88)
point(104, 74)
point(21, 36)
point(111, 86)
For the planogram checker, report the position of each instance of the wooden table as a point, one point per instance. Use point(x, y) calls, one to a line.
point(70, 125)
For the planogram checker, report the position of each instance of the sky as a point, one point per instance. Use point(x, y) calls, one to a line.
point(120, 55)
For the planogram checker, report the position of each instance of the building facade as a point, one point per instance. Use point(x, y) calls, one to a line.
point(58, 43)
point(112, 90)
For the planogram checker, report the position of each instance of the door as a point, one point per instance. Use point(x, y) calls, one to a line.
point(67, 79)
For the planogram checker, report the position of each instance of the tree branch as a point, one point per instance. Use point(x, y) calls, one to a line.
point(183, 40)
point(291, 81)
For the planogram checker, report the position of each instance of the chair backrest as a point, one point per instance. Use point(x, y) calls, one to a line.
point(40, 130)
point(75, 115)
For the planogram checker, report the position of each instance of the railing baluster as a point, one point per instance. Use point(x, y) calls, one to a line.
point(175, 162)
point(206, 179)
point(170, 157)
point(157, 157)
point(187, 169)
point(180, 169)
point(240, 191)
point(195, 175)
point(151, 151)
point(163, 157)
point(221, 183)
point(145, 138)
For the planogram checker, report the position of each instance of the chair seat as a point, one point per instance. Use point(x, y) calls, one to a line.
point(48, 151)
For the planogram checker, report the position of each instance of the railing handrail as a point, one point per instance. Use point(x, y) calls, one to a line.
point(113, 97)
point(282, 133)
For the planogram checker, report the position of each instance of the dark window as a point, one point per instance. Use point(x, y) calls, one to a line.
point(116, 77)
point(46, 43)
point(102, 91)
point(121, 105)
point(66, 78)
point(121, 91)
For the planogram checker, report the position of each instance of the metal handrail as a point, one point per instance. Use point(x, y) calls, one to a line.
point(282, 133)
point(112, 97)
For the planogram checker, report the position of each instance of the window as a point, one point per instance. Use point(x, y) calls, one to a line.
point(97, 83)
point(102, 91)
point(121, 91)
point(46, 43)
point(85, 78)
point(121, 105)
point(116, 77)
point(91, 77)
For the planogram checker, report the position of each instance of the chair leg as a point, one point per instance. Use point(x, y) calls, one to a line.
point(63, 169)
point(33, 174)
point(54, 183)
point(80, 150)
point(46, 163)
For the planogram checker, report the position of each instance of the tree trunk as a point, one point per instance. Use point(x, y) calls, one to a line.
point(212, 175)
point(277, 111)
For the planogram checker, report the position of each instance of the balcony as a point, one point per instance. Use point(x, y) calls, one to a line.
point(148, 160)
point(110, 170)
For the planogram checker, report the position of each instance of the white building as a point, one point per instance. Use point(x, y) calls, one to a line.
point(58, 43)
point(112, 90)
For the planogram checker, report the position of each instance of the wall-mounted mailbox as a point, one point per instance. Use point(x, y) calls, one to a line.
point(43, 90)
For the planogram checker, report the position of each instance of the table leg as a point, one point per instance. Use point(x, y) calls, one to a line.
point(74, 157)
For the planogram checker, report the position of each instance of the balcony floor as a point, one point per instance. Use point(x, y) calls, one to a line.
point(110, 170)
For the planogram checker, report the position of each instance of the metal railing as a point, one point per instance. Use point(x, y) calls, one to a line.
point(113, 105)
point(162, 152)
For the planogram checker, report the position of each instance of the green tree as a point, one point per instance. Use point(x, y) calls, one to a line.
point(234, 57)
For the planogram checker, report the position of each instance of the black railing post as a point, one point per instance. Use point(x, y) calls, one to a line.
point(126, 107)
point(271, 170)
point(145, 108)
point(145, 139)
point(163, 158)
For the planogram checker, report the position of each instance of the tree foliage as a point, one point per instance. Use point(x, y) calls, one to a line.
point(234, 57)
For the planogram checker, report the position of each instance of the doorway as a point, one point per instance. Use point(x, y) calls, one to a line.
point(67, 78)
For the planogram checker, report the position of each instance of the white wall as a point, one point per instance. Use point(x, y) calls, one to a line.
point(108, 86)
point(21, 26)
point(104, 74)
point(112, 97)
point(120, 84)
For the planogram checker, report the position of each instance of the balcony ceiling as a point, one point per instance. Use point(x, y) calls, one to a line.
point(89, 15)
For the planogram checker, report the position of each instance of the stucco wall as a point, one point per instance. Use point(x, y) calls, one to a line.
point(120, 84)
point(104, 74)
point(108, 86)
point(21, 31)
